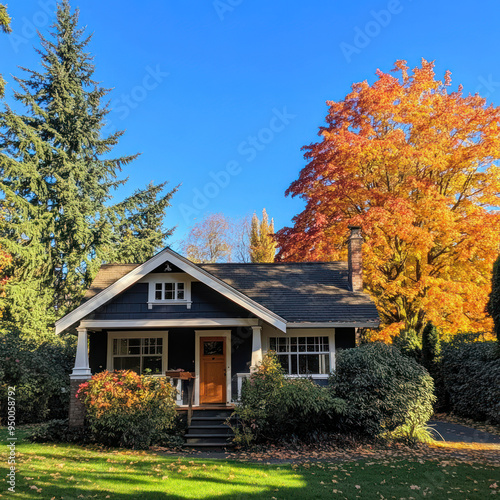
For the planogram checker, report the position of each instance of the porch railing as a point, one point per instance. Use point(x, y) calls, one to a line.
point(240, 378)
point(177, 383)
point(182, 387)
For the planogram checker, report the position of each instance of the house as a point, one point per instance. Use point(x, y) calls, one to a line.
point(217, 320)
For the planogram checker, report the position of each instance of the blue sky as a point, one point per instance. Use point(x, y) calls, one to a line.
point(219, 96)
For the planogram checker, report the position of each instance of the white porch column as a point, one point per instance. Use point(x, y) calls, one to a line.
point(81, 370)
point(256, 347)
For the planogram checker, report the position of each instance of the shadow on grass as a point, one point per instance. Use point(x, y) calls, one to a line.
point(65, 471)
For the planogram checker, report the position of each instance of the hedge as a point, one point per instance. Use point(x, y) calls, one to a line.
point(471, 376)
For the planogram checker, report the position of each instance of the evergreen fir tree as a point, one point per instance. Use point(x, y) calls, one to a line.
point(409, 343)
point(262, 245)
point(493, 306)
point(431, 346)
point(57, 178)
point(5, 27)
point(139, 232)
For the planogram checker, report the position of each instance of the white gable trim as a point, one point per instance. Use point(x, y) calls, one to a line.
point(187, 266)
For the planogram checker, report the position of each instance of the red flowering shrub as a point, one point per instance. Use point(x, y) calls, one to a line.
point(126, 409)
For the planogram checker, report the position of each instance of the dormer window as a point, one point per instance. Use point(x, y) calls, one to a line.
point(171, 290)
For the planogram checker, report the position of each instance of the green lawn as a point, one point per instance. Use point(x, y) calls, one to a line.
point(71, 472)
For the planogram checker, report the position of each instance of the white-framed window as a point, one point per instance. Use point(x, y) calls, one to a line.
point(172, 288)
point(303, 355)
point(142, 352)
point(170, 291)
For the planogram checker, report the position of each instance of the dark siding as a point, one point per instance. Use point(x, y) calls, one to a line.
point(132, 304)
point(173, 269)
point(241, 355)
point(181, 349)
point(98, 351)
point(345, 338)
point(241, 350)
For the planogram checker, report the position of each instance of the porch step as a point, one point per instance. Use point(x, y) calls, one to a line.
point(204, 421)
point(209, 430)
point(214, 446)
point(215, 413)
point(207, 436)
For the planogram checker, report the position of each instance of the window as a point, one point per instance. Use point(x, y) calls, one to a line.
point(172, 289)
point(169, 291)
point(138, 354)
point(302, 355)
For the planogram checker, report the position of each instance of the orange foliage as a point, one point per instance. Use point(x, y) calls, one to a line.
point(415, 165)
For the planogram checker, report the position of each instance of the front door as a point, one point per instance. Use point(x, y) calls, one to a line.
point(212, 370)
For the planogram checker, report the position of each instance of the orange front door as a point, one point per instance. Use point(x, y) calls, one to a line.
point(212, 370)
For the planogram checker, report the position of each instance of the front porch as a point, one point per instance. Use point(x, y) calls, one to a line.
point(218, 353)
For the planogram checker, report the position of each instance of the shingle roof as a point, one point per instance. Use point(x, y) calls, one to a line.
point(298, 292)
point(107, 275)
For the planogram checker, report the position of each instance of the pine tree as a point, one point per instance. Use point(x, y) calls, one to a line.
point(262, 245)
point(57, 178)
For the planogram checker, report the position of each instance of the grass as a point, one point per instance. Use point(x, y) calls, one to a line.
point(48, 471)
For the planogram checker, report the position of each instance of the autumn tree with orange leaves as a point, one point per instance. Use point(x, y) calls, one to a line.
point(416, 166)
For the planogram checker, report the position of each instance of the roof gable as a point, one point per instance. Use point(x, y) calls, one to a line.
point(137, 272)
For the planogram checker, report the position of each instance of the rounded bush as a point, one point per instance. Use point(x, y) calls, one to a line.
point(126, 409)
point(273, 407)
point(382, 388)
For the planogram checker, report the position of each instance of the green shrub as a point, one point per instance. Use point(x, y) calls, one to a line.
point(304, 409)
point(471, 374)
point(409, 343)
point(383, 390)
point(431, 360)
point(431, 346)
point(273, 407)
point(58, 431)
point(40, 372)
point(493, 306)
point(411, 434)
point(126, 409)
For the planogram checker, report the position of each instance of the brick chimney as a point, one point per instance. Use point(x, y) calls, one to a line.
point(355, 259)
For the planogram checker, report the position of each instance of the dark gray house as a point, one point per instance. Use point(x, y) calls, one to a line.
point(217, 320)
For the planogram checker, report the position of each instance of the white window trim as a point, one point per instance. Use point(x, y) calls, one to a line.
point(152, 279)
point(317, 332)
point(197, 362)
point(131, 334)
